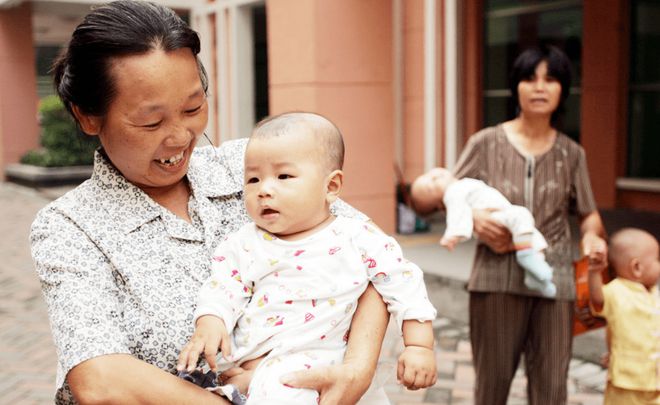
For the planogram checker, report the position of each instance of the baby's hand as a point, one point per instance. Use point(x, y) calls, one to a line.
point(449, 242)
point(210, 334)
point(417, 367)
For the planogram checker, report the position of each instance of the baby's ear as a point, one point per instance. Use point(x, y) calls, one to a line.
point(635, 267)
point(335, 181)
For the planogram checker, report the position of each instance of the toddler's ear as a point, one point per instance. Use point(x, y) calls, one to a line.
point(635, 267)
point(335, 181)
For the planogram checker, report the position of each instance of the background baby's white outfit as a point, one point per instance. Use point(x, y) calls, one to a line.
point(295, 299)
point(466, 194)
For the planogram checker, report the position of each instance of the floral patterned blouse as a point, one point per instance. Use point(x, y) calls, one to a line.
point(120, 273)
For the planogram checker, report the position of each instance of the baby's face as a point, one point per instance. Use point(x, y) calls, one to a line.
point(429, 188)
point(285, 185)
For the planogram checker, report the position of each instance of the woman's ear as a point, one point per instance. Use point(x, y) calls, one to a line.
point(90, 124)
point(335, 182)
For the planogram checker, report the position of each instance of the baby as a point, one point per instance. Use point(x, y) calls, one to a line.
point(631, 306)
point(287, 285)
point(438, 188)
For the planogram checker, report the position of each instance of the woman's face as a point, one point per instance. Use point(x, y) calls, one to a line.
point(158, 112)
point(540, 93)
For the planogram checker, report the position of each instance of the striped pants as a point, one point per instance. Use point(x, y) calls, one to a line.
point(502, 327)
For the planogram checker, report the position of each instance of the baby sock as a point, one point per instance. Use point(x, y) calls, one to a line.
point(538, 273)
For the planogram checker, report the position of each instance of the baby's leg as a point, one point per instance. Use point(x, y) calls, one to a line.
point(529, 243)
point(266, 388)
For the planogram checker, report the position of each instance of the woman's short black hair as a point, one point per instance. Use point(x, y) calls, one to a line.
point(559, 67)
point(125, 27)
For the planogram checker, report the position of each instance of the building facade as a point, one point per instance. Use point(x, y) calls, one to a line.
point(407, 81)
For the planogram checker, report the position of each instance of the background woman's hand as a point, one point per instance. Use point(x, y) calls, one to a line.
point(595, 249)
point(492, 233)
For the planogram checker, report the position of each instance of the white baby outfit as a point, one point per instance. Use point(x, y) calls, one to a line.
point(295, 299)
point(462, 196)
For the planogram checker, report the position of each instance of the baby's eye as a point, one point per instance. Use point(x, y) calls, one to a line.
point(252, 180)
point(284, 176)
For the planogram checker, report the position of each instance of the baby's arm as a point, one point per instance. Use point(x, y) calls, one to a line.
point(450, 242)
point(596, 297)
point(417, 368)
point(221, 301)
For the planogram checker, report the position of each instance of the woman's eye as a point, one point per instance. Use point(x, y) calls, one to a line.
point(194, 110)
point(252, 180)
point(284, 176)
point(153, 125)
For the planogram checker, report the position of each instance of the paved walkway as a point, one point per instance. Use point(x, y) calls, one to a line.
point(28, 361)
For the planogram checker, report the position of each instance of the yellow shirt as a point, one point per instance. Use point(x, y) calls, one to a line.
point(633, 321)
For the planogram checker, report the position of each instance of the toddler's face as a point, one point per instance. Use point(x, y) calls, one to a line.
point(285, 184)
point(650, 262)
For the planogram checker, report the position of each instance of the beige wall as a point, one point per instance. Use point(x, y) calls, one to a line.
point(18, 90)
point(335, 58)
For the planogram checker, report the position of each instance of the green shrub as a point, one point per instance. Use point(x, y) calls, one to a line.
point(62, 143)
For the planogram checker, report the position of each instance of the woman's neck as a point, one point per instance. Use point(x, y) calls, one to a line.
point(174, 198)
point(532, 127)
point(530, 135)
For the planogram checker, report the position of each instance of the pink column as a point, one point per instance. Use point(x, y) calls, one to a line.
point(335, 58)
point(19, 130)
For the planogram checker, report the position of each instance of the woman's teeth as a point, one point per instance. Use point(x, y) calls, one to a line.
point(173, 160)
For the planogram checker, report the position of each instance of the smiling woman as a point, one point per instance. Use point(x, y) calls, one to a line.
point(121, 257)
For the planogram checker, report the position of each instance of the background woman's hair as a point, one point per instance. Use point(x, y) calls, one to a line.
point(559, 67)
point(126, 27)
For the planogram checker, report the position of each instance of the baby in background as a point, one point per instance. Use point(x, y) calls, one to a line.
point(631, 306)
point(286, 286)
point(438, 189)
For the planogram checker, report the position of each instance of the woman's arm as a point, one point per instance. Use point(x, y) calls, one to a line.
point(123, 379)
point(347, 382)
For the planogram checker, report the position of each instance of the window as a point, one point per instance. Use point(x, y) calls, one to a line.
point(514, 25)
point(644, 102)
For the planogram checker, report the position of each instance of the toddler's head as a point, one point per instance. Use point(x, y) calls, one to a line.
point(634, 256)
point(428, 189)
point(293, 172)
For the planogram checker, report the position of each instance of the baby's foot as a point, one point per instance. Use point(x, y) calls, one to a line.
point(534, 262)
point(547, 288)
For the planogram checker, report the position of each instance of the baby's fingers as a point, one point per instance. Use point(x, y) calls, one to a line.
point(190, 355)
point(210, 353)
point(409, 377)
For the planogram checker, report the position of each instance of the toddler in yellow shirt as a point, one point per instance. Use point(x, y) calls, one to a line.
point(631, 306)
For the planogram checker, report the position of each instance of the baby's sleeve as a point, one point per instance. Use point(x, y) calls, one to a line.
point(225, 293)
point(458, 212)
point(399, 281)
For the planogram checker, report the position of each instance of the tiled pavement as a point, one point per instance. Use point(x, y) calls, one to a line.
point(27, 357)
point(456, 375)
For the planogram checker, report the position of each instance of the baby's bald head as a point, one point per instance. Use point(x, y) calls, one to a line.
point(326, 134)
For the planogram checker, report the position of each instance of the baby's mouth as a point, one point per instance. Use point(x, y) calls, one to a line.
point(269, 211)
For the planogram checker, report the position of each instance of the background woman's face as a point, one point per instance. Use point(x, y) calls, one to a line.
point(158, 112)
point(540, 93)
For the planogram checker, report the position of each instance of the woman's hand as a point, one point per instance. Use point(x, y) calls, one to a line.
point(492, 233)
point(210, 334)
point(337, 384)
point(595, 249)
